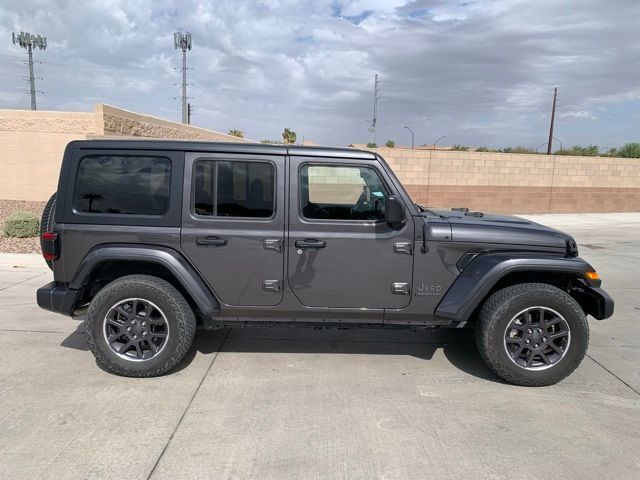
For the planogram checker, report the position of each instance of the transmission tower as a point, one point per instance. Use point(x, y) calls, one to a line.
point(182, 41)
point(28, 41)
point(376, 97)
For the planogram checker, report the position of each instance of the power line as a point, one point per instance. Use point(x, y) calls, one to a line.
point(106, 66)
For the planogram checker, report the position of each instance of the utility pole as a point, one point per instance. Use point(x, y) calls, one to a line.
point(188, 114)
point(376, 91)
point(553, 115)
point(28, 41)
point(182, 41)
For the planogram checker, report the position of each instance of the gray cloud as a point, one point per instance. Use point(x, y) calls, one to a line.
point(480, 72)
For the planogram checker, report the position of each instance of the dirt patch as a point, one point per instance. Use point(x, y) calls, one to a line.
point(19, 245)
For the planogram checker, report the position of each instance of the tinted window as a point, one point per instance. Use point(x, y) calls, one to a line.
point(123, 185)
point(342, 193)
point(234, 189)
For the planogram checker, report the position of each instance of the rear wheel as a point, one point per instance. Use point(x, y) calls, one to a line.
point(532, 334)
point(47, 220)
point(139, 326)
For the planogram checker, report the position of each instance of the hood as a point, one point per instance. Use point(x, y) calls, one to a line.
point(476, 227)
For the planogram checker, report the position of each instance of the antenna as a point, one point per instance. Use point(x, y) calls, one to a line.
point(182, 41)
point(28, 41)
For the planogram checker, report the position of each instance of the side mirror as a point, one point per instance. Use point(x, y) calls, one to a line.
point(393, 212)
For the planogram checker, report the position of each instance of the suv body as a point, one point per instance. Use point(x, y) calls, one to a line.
point(262, 234)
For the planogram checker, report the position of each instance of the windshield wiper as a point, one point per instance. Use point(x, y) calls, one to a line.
point(432, 212)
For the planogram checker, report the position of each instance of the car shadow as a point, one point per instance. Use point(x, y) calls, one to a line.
point(457, 345)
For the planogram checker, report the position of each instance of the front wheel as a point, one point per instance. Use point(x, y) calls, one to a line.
point(139, 326)
point(532, 334)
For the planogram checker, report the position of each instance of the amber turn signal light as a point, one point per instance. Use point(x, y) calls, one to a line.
point(592, 275)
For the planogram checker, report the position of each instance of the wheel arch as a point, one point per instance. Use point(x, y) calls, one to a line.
point(488, 273)
point(105, 263)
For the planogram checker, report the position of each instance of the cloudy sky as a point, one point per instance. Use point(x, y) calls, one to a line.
point(480, 72)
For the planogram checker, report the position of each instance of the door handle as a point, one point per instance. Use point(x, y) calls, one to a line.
point(211, 241)
point(310, 243)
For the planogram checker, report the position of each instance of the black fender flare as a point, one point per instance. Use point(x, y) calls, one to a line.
point(182, 270)
point(483, 272)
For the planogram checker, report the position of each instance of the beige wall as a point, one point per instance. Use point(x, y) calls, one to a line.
point(511, 183)
point(32, 143)
point(115, 122)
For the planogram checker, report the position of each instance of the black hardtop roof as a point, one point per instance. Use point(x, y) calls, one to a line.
point(221, 147)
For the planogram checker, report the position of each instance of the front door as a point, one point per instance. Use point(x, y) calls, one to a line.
point(233, 225)
point(341, 252)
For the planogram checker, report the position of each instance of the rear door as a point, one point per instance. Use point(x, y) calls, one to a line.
point(342, 254)
point(233, 225)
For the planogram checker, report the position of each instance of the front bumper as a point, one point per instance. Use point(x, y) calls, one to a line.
point(57, 298)
point(595, 301)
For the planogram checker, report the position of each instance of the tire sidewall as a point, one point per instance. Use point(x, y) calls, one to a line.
point(553, 299)
point(120, 291)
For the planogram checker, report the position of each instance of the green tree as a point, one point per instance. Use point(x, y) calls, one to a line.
point(630, 150)
point(459, 148)
point(236, 133)
point(390, 144)
point(517, 149)
point(372, 145)
point(483, 149)
point(289, 136)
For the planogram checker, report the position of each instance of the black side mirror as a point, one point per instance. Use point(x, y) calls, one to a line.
point(394, 212)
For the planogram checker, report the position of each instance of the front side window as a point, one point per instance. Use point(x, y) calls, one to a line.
point(234, 189)
point(125, 185)
point(331, 192)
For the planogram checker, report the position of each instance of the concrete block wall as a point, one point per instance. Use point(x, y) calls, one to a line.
point(516, 183)
point(32, 143)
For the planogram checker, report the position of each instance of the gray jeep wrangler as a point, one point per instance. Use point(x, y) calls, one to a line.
point(152, 239)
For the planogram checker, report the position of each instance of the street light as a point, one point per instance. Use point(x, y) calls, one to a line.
point(413, 136)
point(434, 143)
point(182, 41)
point(28, 41)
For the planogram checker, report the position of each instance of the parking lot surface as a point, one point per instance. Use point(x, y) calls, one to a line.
point(308, 404)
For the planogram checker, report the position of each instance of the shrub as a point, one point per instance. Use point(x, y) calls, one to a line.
point(483, 149)
point(630, 150)
point(22, 225)
point(460, 148)
point(579, 151)
point(371, 145)
point(390, 144)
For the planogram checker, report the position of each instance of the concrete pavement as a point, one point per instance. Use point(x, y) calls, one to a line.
point(297, 403)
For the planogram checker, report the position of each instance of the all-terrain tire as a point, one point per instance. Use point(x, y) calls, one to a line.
point(47, 220)
point(179, 317)
point(498, 311)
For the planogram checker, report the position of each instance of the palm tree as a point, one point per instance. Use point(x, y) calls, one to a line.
point(91, 197)
point(289, 136)
point(236, 133)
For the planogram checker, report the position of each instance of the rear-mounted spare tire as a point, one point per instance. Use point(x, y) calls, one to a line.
point(47, 220)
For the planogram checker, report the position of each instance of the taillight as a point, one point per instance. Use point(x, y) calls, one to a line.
point(50, 245)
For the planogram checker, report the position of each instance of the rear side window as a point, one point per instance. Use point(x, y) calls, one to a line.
point(123, 185)
point(234, 189)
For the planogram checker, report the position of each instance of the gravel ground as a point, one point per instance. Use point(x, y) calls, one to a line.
point(18, 245)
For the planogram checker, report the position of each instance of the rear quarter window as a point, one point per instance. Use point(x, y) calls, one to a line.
point(123, 185)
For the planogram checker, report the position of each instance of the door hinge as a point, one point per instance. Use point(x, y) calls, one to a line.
point(401, 288)
point(273, 244)
point(403, 247)
point(271, 285)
